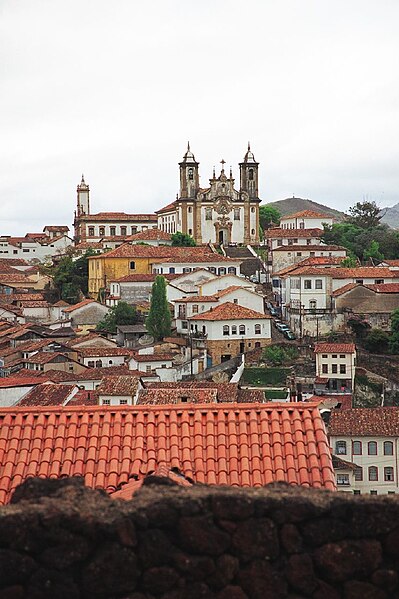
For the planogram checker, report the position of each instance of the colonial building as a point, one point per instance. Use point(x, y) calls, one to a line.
point(219, 213)
point(106, 226)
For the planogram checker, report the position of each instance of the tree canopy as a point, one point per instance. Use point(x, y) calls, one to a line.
point(268, 216)
point(159, 319)
point(394, 339)
point(182, 239)
point(365, 215)
point(71, 277)
point(121, 314)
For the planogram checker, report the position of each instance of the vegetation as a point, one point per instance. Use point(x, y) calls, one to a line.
point(71, 277)
point(159, 318)
point(276, 355)
point(394, 339)
point(121, 314)
point(360, 327)
point(182, 239)
point(349, 262)
point(365, 215)
point(275, 394)
point(268, 216)
point(377, 341)
point(266, 376)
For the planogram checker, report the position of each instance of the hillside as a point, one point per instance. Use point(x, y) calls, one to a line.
point(291, 205)
point(391, 216)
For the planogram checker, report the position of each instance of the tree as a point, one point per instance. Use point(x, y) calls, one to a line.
point(159, 318)
point(377, 341)
point(349, 262)
point(394, 340)
point(373, 251)
point(268, 216)
point(121, 314)
point(359, 326)
point(71, 277)
point(365, 215)
point(182, 239)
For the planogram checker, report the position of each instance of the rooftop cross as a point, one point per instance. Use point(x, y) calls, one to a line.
point(222, 162)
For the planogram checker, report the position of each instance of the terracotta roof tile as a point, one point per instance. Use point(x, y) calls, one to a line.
point(344, 289)
point(156, 357)
point(103, 350)
point(167, 208)
point(47, 394)
point(334, 348)
point(151, 235)
point(242, 445)
point(130, 488)
point(278, 233)
point(43, 357)
point(384, 287)
point(230, 311)
point(119, 216)
point(373, 422)
point(19, 381)
point(78, 305)
point(118, 385)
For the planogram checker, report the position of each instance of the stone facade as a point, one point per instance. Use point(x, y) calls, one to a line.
point(218, 214)
point(221, 351)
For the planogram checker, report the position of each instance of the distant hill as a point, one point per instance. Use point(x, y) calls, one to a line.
point(391, 216)
point(292, 205)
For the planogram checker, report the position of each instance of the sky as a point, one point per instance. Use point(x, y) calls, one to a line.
point(115, 90)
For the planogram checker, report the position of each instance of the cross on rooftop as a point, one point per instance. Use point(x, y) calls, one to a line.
point(222, 162)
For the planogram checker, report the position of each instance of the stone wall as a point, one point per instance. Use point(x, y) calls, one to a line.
point(62, 540)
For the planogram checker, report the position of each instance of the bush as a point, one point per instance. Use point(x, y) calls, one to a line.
point(276, 377)
point(275, 354)
point(377, 341)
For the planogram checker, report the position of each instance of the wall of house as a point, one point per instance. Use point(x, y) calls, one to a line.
point(314, 325)
point(305, 223)
point(278, 242)
point(232, 347)
point(228, 543)
point(90, 314)
point(221, 268)
point(328, 359)
point(282, 259)
point(214, 329)
point(106, 361)
point(216, 284)
point(9, 396)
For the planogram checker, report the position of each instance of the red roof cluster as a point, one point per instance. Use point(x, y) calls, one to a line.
point(376, 422)
point(245, 445)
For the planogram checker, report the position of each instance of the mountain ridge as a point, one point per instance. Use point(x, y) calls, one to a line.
point(292, 205)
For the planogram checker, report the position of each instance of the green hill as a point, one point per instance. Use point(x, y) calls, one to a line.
point(292, 205)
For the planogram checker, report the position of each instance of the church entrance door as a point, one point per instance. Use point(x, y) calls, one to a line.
point(223, 238)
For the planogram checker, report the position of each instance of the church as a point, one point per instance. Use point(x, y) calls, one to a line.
point(218, 214)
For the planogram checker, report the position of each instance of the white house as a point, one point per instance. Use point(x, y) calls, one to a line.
point(278, 237)
point(369, 438)
point(306, 219)
point(335, 368)
point(289, 255)
point(216, 284)
point(119, 390)
point(231, 329)
point(103, 356)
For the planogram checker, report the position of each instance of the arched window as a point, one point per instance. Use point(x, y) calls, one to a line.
point(221, 271)
point(372, 448)
point(242, 329)
point(251, 174)
point(234, 329)
point(99, 364)
point(373, 473)
point(231, 270)
point(190, 174)
point(226, 329)
point(313, 304)
point(388, 448)
point(340, 447)
point(258, 329)
point(357, 448)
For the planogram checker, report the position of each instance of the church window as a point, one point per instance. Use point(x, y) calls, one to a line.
point(251, 174)
point(236, 214)
point(132, 265)
point(221, 271)
point(190, 174)
point(112, 231)
point(208, 213)
point(252, 231)
point(231, 270)
point(252, 209)
point(190, 209)
point(190, 231)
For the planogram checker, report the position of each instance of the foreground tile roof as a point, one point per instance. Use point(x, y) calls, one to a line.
point(334, 348)
point(373, 422)
point(130, 488)
point(230, 311)
point(240, 445)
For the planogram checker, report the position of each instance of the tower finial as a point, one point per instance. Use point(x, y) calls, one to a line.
point(222, 162)
point(83, 178)
point(188, 146)
point(249, 147)
point(214, 174)
point(231, 172)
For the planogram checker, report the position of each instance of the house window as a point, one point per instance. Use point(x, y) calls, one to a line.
point(112, 231)
point(373, 473)
point(324, 368)
point(340, 447)
point(226, 329)
point(221, 271)
point(334, 368)
point(319, 283)
point(279, 242)
point(123, 231)
point(342, 355)
point(133, 230)
point(195, 309)
point(242, 329)
point(379, 281)
point(186, 269)
point(123, 402)
point(388, 473)
point(106, 402)
point(184, 324)
point(234, 329)
point(91, 231)
point(313, 304)
point(357, 448)
point(388, 448)
point(324, 356)
point(102, 230)
point(290, 242)
point(359, 281)
point(356, 492)
point(236, 214)
point(148, 368)
point(343, 479)
point(258, 329)
point(208, 213)
point(231, 270)
point(235, 300)
point(312, 255)
point(342, 369)
point(132, 265)
point(359, 473)
point(172, 270)
point(307, 284)
point(299, 253)
point(302, 225)
point(372, 447)
point(373, 492)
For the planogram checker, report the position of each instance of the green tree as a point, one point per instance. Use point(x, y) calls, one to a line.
point(365, 215)
point(349, 262)
point(377, 341)
point(159, 318)
point(121, 314)
point(394, 339)
point(268, 216)
point(71, 277)
point(182, 239)
point(373, 251)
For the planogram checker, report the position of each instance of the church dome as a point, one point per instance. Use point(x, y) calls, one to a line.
point(249, 156)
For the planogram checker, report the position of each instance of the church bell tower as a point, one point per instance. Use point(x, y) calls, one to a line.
point(249, 175)
point(83, 199)
point(189, 176)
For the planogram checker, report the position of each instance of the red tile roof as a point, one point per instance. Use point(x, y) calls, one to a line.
point(344, 289)
point(362, 272)
point(103, 350)
point(384, 288)
point(178, 395)
point(43, 357)
point(19, 381)
point(129, 489)
point(118, 385)
point(143, 278)
point(56, 228)
point(119, 216)
point(81, 304)
point(307, 214)
point(47, 394)
point(230, 311)
point(334, 348)
point(168, 208)
point(240, 445)
point(278, 233)
point(165, 253)
point(373, 422)
point(310, 248)
point(158, 357)
point(151, 235)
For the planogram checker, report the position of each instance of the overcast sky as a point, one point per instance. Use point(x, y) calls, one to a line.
point(115, 90)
